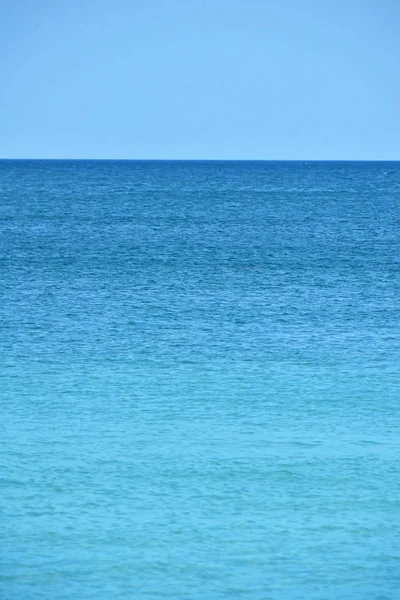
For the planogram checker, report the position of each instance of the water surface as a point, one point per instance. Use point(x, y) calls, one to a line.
point(200, 380)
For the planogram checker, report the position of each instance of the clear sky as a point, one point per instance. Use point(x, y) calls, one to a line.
point(234, 79)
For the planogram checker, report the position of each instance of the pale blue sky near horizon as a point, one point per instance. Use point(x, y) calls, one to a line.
point(211, 79)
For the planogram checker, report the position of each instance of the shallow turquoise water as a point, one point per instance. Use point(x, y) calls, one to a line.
point(200, 380)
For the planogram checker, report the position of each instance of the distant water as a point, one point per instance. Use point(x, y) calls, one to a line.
point(200, 380)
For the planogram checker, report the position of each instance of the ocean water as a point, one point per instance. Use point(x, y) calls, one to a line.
point(200, 380)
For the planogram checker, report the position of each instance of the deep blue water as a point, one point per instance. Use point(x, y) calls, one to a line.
point(200, 380)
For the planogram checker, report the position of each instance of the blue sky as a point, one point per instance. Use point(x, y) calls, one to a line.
point(211, 79)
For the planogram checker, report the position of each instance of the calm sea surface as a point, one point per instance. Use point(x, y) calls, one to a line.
point(200, 380)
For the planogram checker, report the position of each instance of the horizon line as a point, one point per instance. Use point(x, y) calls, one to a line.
point(306, 160)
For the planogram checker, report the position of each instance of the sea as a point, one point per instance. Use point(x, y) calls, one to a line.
point(199, 380)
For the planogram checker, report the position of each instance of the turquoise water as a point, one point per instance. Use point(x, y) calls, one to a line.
point(200, 380)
